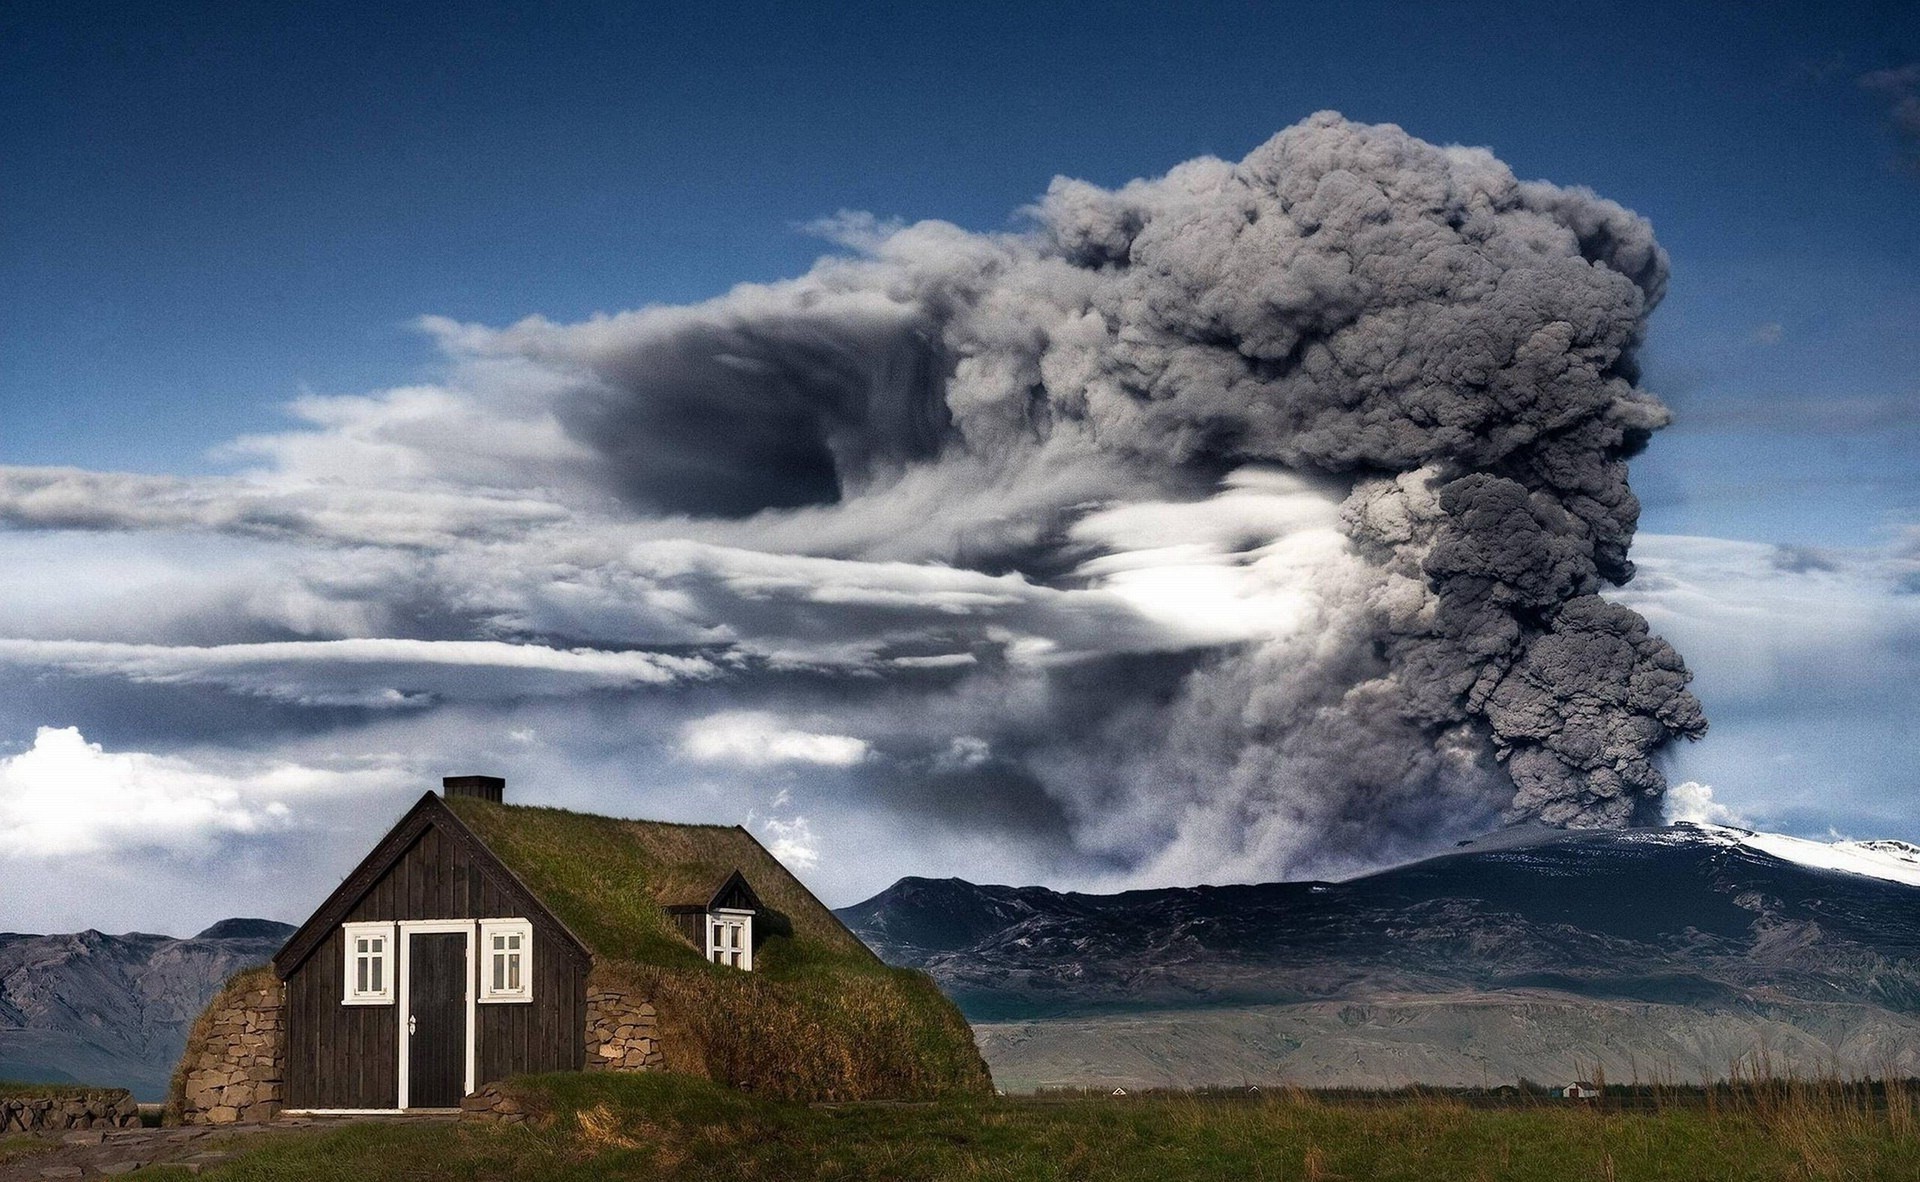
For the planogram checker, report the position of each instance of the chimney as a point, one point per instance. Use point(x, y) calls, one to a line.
point(491, 788)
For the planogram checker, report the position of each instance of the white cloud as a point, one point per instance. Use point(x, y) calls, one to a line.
point(964, 753)
point(359, 514)
point(1807, 662)
point(792, 842)
point(1693, 802)
point(1758, 620)
point(364, 671)
point(1245, 564)
point(760, 740)
point(65, 796)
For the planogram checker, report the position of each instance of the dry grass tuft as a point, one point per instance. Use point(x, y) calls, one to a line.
point(601, 1129)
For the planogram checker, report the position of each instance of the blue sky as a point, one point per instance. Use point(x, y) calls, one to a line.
point(219, 207)
point(215, 210)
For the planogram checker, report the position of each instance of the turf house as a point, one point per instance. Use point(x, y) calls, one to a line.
point(480, 940)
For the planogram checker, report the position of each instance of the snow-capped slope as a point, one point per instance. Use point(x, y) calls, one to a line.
point(1894, 861)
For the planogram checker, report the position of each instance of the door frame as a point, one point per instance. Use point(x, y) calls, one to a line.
point(462, 927)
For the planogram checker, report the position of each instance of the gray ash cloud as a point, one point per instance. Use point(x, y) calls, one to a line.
point(1246, 521)
point(1452, 349)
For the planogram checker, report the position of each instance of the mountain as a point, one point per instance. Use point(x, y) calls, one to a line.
point(1670, 951)
point(115, 1010)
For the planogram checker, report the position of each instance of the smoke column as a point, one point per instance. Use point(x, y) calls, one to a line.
point(1445, 351)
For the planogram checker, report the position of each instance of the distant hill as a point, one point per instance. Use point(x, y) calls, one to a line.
point(114, 1010)
point(1540, 952)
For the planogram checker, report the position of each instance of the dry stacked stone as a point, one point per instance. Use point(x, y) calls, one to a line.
point(108, 1108)
point(494, 1104)
point(622, 1031)
point(237, 1072)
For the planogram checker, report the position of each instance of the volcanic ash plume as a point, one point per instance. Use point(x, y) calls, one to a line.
point(1446, 352)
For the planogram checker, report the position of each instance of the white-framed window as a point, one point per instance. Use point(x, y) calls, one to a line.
point(730, 937)
point(506, 960)
point(369, 967)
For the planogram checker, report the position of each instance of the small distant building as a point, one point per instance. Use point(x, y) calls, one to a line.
point(1579, 1089)
point(1118, 1093)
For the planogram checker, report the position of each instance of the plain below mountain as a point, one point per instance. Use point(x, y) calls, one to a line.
point(1668, 951)
point(115, 1010)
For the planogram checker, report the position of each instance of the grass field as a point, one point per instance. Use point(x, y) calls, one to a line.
point(666, 1127)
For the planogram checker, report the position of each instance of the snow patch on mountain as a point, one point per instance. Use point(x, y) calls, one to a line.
point(1894, 861)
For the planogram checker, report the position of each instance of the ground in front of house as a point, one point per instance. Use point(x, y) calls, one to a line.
point(147, 1152)
point(659, 1126)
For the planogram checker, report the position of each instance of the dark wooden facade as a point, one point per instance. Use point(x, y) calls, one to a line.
point(429, 867)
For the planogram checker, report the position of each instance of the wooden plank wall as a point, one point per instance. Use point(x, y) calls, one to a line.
point(338, 1056)
point(693, 925)
point(341, 1056)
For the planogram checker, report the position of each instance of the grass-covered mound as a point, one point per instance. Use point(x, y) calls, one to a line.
point(819, 1017)
point(657, 1127)
point(237, 986)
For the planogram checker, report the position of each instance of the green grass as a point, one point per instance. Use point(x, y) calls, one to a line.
point(663, 1127)
point(21, 1145)
point(12, 1090)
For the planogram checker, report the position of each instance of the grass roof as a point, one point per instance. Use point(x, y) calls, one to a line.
point(819, 1018)
point(609, 880)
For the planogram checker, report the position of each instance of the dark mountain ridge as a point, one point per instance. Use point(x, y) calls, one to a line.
point(115, 1010)
point(1645, 933)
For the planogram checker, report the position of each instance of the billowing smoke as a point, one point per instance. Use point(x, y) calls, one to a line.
point(1270, 503)
point(1449, 350)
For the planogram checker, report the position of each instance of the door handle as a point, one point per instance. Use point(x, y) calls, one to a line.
point(410, 1024)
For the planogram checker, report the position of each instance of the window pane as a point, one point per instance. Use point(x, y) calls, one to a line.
point(379, 964)
point(499, 972)
point(513, 973)
point(360, 975)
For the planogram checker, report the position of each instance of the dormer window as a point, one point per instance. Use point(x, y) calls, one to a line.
point(720, 922)
point(369, 967)
point(730, 937)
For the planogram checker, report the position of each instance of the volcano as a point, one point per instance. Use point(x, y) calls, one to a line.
point(1682, 953)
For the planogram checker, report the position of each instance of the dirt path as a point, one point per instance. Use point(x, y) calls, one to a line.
point(99, 1153)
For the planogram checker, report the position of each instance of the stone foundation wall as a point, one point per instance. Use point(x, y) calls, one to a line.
point(623, 1032)
point(110, 1108)
point(492, 1103)
point(234, 1068)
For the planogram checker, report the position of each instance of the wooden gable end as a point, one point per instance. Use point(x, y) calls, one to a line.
point(428, 866)
point(736, 894)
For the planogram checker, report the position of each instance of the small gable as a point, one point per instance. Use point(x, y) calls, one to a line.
point(735, 895)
